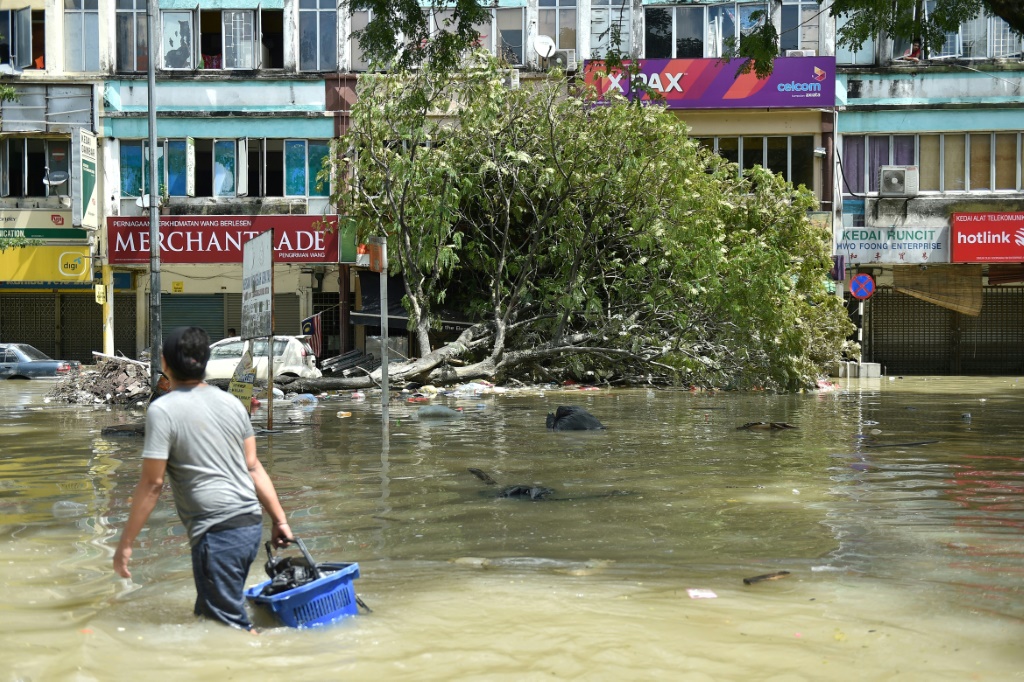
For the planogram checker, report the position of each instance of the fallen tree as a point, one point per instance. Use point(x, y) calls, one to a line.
point(594, 243)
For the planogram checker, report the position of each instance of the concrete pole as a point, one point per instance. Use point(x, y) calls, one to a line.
point(155, 323)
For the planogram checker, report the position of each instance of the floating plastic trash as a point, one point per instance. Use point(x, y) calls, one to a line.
point(701, 594)
point(67, 508)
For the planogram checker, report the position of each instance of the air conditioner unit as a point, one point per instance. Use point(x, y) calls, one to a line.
point(898, 181)
point(801, 53)
point(511, 79)
point(564, 60)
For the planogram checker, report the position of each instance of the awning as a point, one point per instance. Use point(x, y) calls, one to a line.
point(953, 286)
point(369, 314)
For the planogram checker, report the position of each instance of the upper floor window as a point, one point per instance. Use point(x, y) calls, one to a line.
point(318, 35)
point(727, 25)
point(223, 167)
point(800, 21)
point(674, 32)
point(865, 56)
point(946, 162)
point(358, 60)
point(511, 29)
point(222, 39)
point(791, 156)
point(983, 37)
point(303, 160)
point(132, 36)
point(610, 27)
point(26, 161)
point(81, 35)
point(17, 31)
point(557, 20)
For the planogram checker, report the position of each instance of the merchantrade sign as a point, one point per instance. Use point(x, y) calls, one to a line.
point(713, 83)
point(219, 239)
point(988, 237)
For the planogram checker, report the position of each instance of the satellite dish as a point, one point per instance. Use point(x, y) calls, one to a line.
point(55, 178)
point(544, 45)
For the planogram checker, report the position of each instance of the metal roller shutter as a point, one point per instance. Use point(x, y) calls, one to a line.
point(81, 327)
point(193, 310)
point(993, 342)
point(286, 313)
point(907, 335)
point(910, 336)
point(29, 318)
point(124, 323)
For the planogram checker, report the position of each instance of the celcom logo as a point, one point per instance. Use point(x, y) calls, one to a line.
point(1019, 237)
point(72, 264)
point(819, 74)
point(57, 219)
point(793, 86)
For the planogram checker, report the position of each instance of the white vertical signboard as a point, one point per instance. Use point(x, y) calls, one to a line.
point(85, 204)
point(257, 286)
point(258, 301)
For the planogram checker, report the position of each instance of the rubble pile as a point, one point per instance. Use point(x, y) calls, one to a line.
point(114, 381)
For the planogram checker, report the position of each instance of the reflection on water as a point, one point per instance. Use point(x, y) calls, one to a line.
point(897, 506)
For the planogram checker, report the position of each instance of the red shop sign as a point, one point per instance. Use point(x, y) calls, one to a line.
point(201, 239)
point(988, 238)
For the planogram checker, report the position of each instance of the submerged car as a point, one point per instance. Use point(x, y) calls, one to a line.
point(22, 361)
point(293, 357)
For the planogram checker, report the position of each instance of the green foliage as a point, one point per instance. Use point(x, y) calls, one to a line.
point(412, 21)
point(18, 243)
point(588, 238)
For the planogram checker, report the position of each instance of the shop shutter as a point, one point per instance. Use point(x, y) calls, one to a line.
point(286, 313)
point(81, 327)
point(193, 310)
point(29, 318)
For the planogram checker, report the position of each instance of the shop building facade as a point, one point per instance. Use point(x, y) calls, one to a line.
point(250, 94)
point(929, 170)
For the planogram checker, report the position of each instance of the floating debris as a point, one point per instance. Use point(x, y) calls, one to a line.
point(767, 576)
point(115, 381)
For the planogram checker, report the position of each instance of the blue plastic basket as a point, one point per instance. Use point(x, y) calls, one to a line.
point(320, 602)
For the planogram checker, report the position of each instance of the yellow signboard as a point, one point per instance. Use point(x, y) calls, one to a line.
point(101, 294)
point(243, 378)
point(46, 264)
point(177, 287)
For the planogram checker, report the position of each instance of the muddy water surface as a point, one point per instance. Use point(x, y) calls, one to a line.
point(896, 506)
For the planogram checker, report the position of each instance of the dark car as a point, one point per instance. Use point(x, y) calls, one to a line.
point(22, 361)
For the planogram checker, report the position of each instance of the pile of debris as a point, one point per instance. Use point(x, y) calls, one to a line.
point(114, 381)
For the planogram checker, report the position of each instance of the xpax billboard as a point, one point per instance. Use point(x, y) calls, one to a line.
point(201, 239)
point(988, 238)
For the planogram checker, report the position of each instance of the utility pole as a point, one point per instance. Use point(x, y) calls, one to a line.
point(155, 323)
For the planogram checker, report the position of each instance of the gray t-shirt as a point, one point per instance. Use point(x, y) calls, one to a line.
point(200, 432)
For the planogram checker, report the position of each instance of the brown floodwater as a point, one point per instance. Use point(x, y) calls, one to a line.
point(896, 506)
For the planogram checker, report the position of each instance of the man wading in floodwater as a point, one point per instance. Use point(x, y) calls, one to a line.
point(202, 439)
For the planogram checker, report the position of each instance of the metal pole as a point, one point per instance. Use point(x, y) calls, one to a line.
point(155, 324)
point(385, 392)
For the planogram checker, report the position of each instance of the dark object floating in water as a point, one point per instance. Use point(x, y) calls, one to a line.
point(437, 412)
point(767, 576)
point(537, 492)
point(125, 430)
point(900, 445)
point(766, 426)
point(572, 418)
point(526, 492)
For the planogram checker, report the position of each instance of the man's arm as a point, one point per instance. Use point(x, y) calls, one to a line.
point(147, 492)
point(280, 533)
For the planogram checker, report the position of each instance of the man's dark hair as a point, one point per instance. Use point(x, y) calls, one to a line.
point(187, 350)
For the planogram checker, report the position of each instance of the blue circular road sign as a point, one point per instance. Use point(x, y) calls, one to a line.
point(862, 286)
